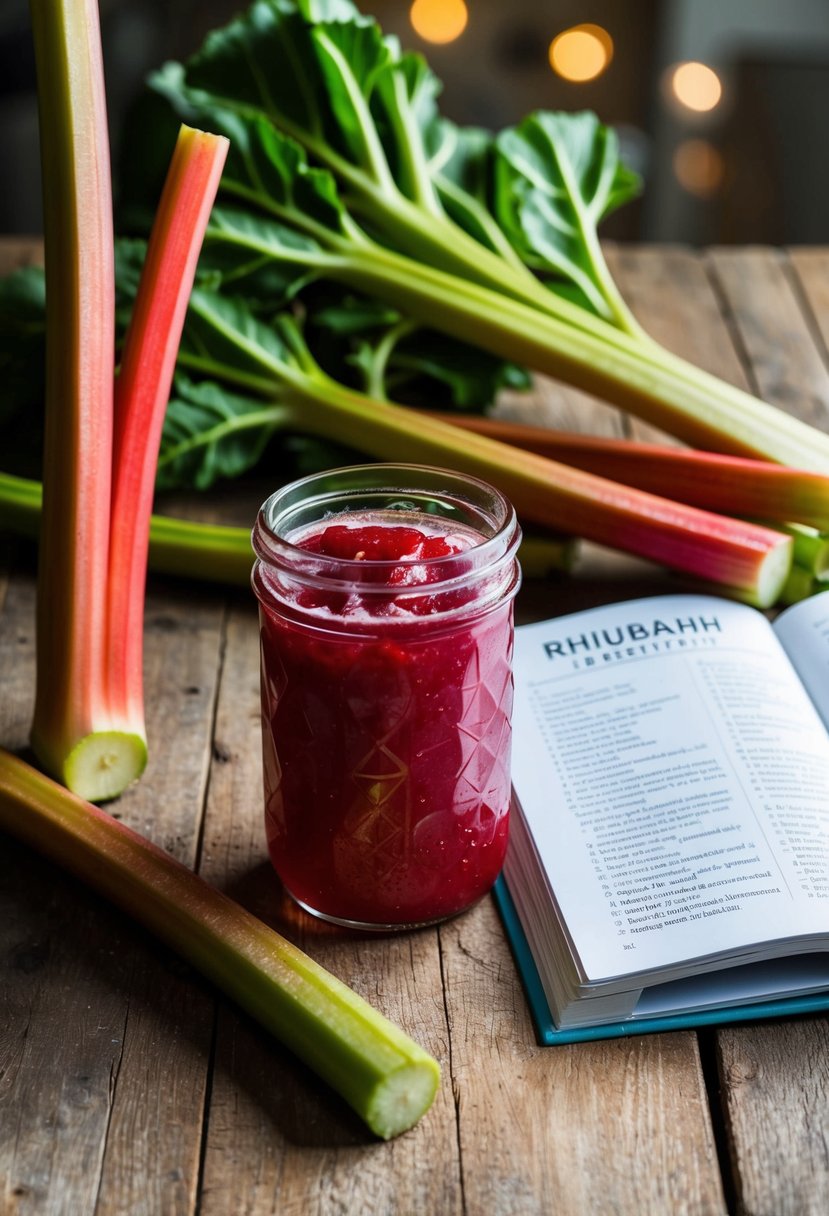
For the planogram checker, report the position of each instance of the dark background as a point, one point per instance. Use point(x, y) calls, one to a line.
point(767, 139)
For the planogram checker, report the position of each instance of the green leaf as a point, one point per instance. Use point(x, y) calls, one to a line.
point(264, 167)
point(434, 370)
point(263, 61)
point(320, 73)
point(460, 160)
point(352, 54)
point(556, 177)
point(211, 433)
point(400, 361)
point(223, 337)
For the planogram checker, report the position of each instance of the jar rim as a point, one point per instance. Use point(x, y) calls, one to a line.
point(276, 549)
point(405, 490)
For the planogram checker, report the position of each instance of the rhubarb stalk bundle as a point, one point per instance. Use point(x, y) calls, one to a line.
point(343, 168)
point(88, 727)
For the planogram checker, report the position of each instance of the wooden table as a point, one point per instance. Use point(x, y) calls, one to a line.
point(128, 1086)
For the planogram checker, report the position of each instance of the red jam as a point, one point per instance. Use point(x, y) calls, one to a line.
point(386, 725)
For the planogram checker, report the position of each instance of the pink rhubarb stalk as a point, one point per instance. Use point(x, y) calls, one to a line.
point(735, 485)
point(752, 560)
point(141, 394)
point(88, 727)
point(80, 318)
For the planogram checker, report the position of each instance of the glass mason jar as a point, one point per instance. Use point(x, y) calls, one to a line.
point(386, 626)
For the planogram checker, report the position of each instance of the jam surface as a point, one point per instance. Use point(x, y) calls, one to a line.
point(387, 732)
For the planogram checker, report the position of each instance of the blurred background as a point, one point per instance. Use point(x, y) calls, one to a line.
point(720, 105)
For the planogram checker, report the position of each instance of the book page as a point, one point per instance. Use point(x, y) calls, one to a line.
point(654, 745)
point(804, 632)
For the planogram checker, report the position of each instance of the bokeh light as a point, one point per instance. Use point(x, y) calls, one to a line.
point(699, 167)
point(439, 21)
point(581, 53)
point(696, 86)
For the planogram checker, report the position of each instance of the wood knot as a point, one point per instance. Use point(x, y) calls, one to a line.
point(222, 753)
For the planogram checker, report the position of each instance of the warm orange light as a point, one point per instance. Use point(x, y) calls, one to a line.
point(696, 86)
point(581, 53)
point(699, 167)
point(439, 20)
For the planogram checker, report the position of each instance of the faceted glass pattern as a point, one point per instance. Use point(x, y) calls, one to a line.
point(387, 765)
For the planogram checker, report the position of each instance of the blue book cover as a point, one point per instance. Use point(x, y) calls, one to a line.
point(549, 1035)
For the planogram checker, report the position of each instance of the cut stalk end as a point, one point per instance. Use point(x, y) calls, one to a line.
point(103, 764)
point(400, 1099)
point(772, 575)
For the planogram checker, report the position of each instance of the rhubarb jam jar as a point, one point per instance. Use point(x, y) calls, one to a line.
point(386, 626)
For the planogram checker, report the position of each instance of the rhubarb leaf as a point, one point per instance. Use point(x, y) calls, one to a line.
point(460, 161)
point(556, 176)
point(265, 167)
point(351, 53)
point(400, 361)
point(211, 433)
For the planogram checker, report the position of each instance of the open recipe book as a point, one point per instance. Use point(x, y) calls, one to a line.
point(669, 852)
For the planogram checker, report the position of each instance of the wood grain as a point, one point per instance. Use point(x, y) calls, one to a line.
point(277, 1140)
point(671, 296)
point(772, 334)
point(774, 1076)
point(810, 270)
point(563, 1129)
point(107, 1037)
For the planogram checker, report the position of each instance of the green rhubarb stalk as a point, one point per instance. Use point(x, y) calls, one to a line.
point(733, 485)
point(222, 338)
point(663, 390)
point(71, 697)
point(799, 585)
point(638, 376)
point(383, 1074)
point(754, 559)
point(811, 550)
point(141, 394)
point(218, 553)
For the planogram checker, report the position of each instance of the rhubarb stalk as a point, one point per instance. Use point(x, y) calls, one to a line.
point(226, 341)
point(383, 1074)
point(71, 700)
point(141, 394)
point(735, 485)
point(88, 727)
point(221, 553)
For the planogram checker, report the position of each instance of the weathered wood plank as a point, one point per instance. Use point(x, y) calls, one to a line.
point(152, 1153)
point(106, 1040)
point(277, 1139)
point(670, 293)
point(549, 403)
point(564, 1129)
point(773, 336)
point(776, 1081)
point(774, 1077)
point(811, 271)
